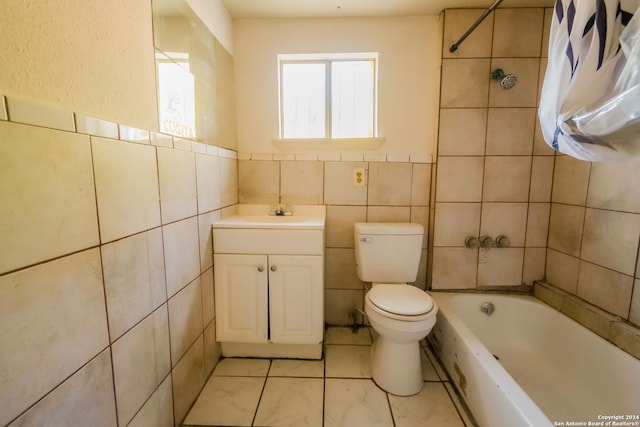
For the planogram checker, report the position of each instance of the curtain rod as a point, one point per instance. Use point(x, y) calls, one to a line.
point(454, 46)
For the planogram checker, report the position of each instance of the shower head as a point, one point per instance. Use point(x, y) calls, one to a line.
point(507, 81)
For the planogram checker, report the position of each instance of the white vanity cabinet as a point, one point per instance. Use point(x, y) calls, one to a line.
point(269, 298)
point(269, 286)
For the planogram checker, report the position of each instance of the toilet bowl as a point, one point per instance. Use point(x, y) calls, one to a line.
point(402, 315)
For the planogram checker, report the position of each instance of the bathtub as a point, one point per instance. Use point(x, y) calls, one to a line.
point(527, 364)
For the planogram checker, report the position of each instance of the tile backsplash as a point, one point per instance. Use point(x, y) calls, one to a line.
point(106, 268)
point(395, 191)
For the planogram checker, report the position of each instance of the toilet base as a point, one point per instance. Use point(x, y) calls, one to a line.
point(395, 366)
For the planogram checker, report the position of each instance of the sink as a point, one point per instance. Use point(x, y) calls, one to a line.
point(257, 216)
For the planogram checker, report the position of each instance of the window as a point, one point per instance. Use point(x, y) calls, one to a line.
point(328, 96)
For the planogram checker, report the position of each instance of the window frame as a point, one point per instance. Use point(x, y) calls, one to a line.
point(327, 60)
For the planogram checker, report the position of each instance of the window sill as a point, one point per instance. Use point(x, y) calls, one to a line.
point(327, 144)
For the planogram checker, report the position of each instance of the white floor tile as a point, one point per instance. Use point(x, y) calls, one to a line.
point(229, 401)
point(335, 392)
point(297, 368)
point(354, 402)
point(347, 361)
point(295, 402)
point(431, 407)
point(242, 367)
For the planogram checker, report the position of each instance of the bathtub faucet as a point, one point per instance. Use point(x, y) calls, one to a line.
point(487, 242)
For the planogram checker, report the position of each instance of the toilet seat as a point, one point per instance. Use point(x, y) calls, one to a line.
point(400, 300)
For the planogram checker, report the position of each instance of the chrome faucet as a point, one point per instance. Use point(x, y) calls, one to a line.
point(280, 210)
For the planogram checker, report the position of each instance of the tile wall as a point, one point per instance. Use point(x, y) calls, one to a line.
point(397, 190)
point(494, 172)
point(573, 224)
point(594, 236)
point(106, 269)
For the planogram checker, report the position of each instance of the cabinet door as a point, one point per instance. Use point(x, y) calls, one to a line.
point(296, 299)
point(241, 298)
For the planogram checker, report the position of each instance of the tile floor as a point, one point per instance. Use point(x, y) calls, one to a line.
point(336, 391)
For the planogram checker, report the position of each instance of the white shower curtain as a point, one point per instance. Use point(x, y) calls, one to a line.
point(590, 100)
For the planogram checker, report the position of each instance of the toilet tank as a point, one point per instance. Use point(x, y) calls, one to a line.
point(388, 252)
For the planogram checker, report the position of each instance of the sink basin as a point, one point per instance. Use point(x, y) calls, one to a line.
point(256, 216)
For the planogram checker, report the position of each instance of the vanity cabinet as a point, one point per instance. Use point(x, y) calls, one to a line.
point(269, 298)
point(269, 284)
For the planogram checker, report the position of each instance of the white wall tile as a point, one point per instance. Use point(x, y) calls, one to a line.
point(459, 179)
point(208, 297)
point(454, 268)
point(301, 183)
point(188, 379)
point(134, 279)
point(50, 315)
point(611, 239)
point(518, 32)
point(177, 177)
point(228, 181)
point(126, 187)
point(454, 222)
point(87, 396)
point(509, 219)
point(614, 185)
point(562, 270)
point(503, 267)
point(23, 111)
point(565, 228)
point(605, 288)
point(510, 131)
point(96, 127)
point(47, 181)
point(506, 178)
point(462, 131)
point(206, 238)
point(131, 134)
point(185, 319)
point(181, 253)
point(140, 363)
point(389, 184)
point(465, 83)
point(570, 180)
point(338, 187)
point(158, 410)
point(161, 140)
point(208, 173)
point(478, 44)
point(421, 184)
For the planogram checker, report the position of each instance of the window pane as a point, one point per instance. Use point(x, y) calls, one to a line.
point(303, 99)
point(352, 99)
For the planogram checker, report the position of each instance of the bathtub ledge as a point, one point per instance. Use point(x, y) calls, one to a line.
point(612, 328)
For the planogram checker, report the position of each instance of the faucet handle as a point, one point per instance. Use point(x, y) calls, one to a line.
point(487, 242)
point(503, 241)
point(471, 242)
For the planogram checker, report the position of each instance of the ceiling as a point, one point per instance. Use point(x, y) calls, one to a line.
point(241, 9)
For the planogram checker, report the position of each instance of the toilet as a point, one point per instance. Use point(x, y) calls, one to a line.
point(388, 256)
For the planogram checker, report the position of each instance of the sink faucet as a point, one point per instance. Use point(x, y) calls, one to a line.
point(280, 210)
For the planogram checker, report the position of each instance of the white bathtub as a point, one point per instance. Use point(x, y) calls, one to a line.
point(529, 365)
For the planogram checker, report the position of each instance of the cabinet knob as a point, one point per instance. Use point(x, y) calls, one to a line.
point(274, 268)
point(260, 268)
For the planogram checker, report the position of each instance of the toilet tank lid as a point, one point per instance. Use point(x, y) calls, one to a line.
point(401, 228)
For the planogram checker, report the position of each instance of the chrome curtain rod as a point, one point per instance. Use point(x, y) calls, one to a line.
point(454, 46)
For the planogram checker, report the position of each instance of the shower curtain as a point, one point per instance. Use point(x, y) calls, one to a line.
point(590, 100)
